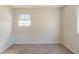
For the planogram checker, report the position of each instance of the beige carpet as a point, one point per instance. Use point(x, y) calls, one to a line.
point(37, 49)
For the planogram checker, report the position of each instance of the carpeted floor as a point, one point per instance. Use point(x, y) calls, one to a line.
point(37, 49)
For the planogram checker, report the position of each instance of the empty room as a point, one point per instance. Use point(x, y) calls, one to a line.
point(39, 29)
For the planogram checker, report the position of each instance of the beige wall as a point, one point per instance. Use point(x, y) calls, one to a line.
point(5, 27)
point(70, 37)
point(45, 26)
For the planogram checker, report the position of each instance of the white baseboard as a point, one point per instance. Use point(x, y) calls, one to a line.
point(37, 43)
point(73, 51)
point(5, 48)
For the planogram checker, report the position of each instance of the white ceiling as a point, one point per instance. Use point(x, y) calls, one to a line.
point(37, 6)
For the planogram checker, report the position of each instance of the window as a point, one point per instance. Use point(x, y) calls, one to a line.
point(24, 20)
point(78, 24)
point(78, 20)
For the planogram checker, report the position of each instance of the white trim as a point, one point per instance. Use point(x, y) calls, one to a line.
point(70, 48)
point(37, 43)
point(5, 48)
